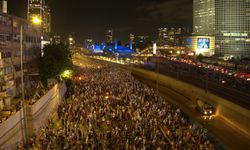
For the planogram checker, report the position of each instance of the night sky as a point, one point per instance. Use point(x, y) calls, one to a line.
point(91, 18)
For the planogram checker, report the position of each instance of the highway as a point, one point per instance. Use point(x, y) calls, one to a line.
point(225, 91)
point(225, 136)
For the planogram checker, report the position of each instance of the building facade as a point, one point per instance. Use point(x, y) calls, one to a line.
point(228, 21)
point(204, 45)
point(171, 36)
point(204, 17)
point(109, 37)
point(232, 28)
point(3, 6)
point(10, 54)
point(38, 9)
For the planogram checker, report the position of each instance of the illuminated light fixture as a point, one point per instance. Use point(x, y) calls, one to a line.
point(191, 54)
point(71, 39)
point(36, 20)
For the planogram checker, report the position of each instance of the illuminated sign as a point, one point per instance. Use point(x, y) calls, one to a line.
point(236, 34)
point(154, 48)
point(203, 43)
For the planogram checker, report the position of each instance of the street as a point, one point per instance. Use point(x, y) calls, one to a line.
point(217, 126)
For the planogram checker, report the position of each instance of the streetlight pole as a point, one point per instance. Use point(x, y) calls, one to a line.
point(24, 130)
point(157, 82)
point(23, 113)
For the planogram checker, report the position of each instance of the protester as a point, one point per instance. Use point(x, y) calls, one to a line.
point(110, 109)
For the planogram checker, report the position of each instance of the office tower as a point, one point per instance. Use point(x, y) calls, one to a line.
point(232, 36)
point(46, 20)
point(89, 43)
point(204, 17)
point(162, 36)
point(228, 21)
point(37, 9)
point(3, 6)
point(131, 40)
point(72, 38)
point(109, 37)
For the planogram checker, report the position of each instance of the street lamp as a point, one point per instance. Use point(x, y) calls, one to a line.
point(36, 20)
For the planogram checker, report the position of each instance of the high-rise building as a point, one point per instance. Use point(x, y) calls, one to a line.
point(3, 6)
point(88, 44)
point(37, 9)
point(72, 38)
point(228, 21)
point(162, 36)
point(109, 37)
point(131, 40)
point(232, 25)
point(204, 17)
point(56, 39)
point(46, 20)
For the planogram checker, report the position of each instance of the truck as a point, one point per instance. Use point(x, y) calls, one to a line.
point(206, 109)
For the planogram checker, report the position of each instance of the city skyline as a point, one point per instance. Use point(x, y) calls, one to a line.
point(91, 19)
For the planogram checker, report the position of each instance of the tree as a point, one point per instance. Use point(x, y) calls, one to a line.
point(55, 60)
point(200, 57)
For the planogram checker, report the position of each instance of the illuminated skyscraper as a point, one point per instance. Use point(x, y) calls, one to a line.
point(35, 9)
point(204, 17)
point(109, 36)
point(162, 36)
point(38, 9)
point(232, 36)
point(3, 6)
point(228, 21)
point(46, 20)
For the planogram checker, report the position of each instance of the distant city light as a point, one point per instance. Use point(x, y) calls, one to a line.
point(154, 48)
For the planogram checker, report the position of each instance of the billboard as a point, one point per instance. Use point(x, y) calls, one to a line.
point(203, 43)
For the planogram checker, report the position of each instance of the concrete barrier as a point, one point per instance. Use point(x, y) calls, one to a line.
point(11, 132)
point(234, 114)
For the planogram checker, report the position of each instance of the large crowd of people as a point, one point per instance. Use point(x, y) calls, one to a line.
point(110, 109)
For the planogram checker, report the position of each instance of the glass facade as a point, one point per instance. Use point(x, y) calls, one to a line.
point(232, 28)
point(203, 17)
point(228, 21)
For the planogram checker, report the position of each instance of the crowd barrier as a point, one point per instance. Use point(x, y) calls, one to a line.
point(11, 131)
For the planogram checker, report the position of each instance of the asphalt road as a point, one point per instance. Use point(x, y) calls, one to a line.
point(235, 96)
point(224, 135)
